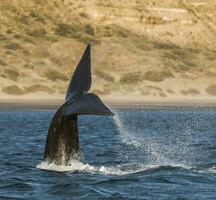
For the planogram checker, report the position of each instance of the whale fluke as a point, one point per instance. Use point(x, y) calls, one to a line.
point(86, 104)
point(81, 79)
point(62, 142)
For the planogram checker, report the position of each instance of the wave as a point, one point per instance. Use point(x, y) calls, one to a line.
point(119, 170)
point(74, 166)
point(211, 170)
point(77, 166)
point(166, 153)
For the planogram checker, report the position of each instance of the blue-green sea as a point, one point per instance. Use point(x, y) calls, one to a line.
point(143, 153)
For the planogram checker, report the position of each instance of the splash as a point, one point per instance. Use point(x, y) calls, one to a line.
point(148, 147)
point(77, 166)
point(207, 170)
point(126, 137)
point(119, 170)
point(144, 146)
point(61, 150)
point(212, 169)
point(74, 166)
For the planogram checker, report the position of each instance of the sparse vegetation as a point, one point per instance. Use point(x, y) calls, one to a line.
point(127, 40)
point(104, 75)
point(17, 36)
point(2, 63)
point(170, 91)
point(8, 52)
point(181, 67)
point(41, 52)
point(162, 94)
point(3, 37)
point(157, 76)
point(13, 46)
point(51, 38)
point(38, 33)
point(13, 90)
point(143, 43)
point(54, 75)
point(189, 63)
point(175, 54)
point(211, 90)
point(154, 20)
point(37, 17)
point(29, 66)
point(84, 15)
point(111, 87)
point(131, 78)
point(113, 30)
point(154, 76)
point(85, 38)
point(153, 88)
point(10, 74)
point(9, 31)
point(84, 34)
point(29, 40)
point(89, 30)
point(22, 19)
point(39, 88)
point(167, 46)
point(180, 53)
point(182, 57)
point(26, 52)
point(66, 30)
point(190, 92)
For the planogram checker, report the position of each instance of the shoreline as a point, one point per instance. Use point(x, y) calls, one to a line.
point(54, 103)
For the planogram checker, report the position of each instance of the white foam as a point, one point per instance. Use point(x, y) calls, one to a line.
point(159, 155)
point(118, 170)
point(74, 166)
point(209, 170)
point(212, 169)
point(81, 167)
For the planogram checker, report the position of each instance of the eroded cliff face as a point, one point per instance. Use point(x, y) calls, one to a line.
point(148, 48)
point(184, 23)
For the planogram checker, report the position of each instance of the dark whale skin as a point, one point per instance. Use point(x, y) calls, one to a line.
point(62, 143)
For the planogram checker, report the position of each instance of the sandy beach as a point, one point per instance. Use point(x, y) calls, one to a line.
point(8, 102)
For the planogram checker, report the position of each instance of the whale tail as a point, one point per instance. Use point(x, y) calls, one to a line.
point(62, 142)
point(77, 100)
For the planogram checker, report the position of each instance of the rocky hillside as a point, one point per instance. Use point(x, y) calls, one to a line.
point(140, 47)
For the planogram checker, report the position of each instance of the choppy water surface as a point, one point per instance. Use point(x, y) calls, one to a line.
point(139, 154)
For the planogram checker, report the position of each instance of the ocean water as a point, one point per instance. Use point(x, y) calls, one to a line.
point(146, 153)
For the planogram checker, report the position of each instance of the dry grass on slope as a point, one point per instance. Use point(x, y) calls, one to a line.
point(41, 42)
